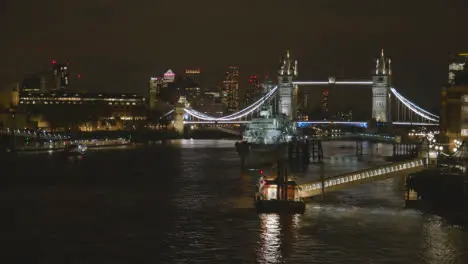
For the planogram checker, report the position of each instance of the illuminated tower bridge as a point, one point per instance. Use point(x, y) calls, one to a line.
point(384, 98)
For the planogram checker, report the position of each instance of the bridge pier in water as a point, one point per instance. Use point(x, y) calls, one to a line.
point(359, 147)
point(405, 150)
point(305, 151)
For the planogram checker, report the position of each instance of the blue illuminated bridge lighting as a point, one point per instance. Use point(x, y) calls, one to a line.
point(349, 123)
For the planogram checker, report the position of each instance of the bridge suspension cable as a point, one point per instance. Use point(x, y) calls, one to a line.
point(412, 104)
point(416, 109)
point(166, 114)
point(249, 109)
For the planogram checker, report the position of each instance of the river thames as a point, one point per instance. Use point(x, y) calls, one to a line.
point(188, 202)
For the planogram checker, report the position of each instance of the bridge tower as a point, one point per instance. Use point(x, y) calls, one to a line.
point(381, 95)
point(287, 91)
point(179, 113)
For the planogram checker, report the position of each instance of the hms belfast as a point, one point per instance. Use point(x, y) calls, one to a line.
point(265, 139)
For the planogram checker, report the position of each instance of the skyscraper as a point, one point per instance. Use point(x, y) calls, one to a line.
point(193, 76)
point(324, 104)
point(253, 91)
point(154, 91)
point(191, 86)
point(169, 76)
point(61, 75)
point(231, 89)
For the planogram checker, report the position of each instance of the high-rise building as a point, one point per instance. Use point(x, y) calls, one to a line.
point(324, 104)
point(253, 91)
point(32, 83)
point(61, 75)
point(211, 104)
point(155, 84)
point(231, 89)
point(192, 76)
point(192, 95)
point(458, 62)
point(267, 85)
point(191, 86)
point(169, 76)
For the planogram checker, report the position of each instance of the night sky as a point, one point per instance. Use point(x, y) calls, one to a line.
point(117, 45)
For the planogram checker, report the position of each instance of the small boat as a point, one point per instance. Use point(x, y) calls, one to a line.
point(75, 149)
point(267, 197)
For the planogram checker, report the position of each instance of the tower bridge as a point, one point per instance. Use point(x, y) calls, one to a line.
point(406, 113)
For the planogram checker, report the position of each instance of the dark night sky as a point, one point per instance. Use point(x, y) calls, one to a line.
point(117, 45)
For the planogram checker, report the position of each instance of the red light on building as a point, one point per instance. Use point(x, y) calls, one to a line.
point(54, 61)
point(79, 76)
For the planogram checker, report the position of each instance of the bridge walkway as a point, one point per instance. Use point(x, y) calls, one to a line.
point(352, 179)
point(360, 136)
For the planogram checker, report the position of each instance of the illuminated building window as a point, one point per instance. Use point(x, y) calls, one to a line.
point(464, 132)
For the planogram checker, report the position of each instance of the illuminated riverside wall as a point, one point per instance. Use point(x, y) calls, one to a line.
point(79, 111)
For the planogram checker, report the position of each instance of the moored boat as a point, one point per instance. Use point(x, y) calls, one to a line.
point(268, 196)
point(265, 139)
point(75, 149)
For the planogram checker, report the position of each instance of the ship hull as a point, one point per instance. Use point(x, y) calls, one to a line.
point(259, 155)
point(277, 206)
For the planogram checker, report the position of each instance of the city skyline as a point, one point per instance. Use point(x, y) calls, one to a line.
point(115, 51)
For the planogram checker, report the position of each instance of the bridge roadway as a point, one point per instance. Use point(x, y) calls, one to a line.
point(362, 124)
point(351, 179)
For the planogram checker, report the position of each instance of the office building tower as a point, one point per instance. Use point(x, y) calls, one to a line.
point(324, 104)
point(155, 84)
point(192, 95)
point(231, 89)
point(169, 76)
point(253, 91)
point(191, 86)
point(192, 77)
point(61, 74)
point(211, 104)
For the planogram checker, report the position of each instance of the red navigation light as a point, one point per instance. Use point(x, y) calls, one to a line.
point(261, 172)
point(79, 76)
point(54, 61)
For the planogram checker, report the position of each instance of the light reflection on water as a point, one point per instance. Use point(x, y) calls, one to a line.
point(270, 238)
point(187, 202)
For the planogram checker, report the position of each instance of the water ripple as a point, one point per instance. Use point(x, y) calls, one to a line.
point(188, 202)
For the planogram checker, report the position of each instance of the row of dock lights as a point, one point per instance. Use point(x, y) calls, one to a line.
point(336, 132)
point(458, 144)
point(433, 145)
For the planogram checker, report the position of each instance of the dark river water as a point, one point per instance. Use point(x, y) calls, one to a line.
point(188, 202)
